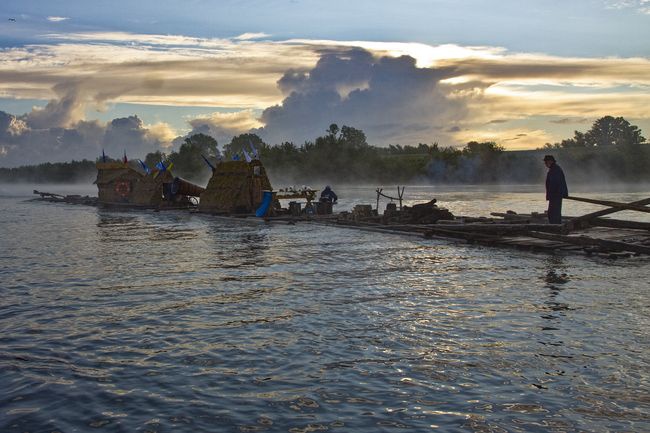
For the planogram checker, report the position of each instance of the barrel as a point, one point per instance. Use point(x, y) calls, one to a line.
point(294, 208)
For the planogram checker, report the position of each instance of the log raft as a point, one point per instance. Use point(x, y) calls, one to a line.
point(586, 234)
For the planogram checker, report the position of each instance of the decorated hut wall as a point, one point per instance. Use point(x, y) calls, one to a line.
point(236, 187)
point(119, 184)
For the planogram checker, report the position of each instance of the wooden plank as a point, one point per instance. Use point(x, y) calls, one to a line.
point(612, 204)
point(619, 224)
point(501, 228)
point(470, 236)
point(576, 222)
point(587, 241)
point(598, 222)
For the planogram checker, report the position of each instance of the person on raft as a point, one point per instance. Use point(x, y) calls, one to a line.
point(556, 190)
point(328, 195)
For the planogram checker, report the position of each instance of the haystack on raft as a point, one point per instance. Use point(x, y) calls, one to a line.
point(236, 187)
point(120, 185)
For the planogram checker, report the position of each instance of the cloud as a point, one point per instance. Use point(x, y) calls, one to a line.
point(22, 143)
point(223, 126)
point(30, 146)
point(292, 90)
point(64, 111)
point(392, 99)
point(642, 6)
point(55, 19)
point(251, 36)
point(152, 69)
point(160, 133)
point(570, 120)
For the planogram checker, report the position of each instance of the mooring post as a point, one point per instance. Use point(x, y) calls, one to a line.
point(379, 190)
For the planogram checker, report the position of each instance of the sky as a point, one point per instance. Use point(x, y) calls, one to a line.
point(79, 77)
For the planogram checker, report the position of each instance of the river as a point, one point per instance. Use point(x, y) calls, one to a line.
point(115, 321)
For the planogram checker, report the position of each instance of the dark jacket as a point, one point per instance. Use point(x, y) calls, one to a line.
point(555, 183)
point(328, 195)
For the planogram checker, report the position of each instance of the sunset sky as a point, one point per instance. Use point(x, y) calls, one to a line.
point(74, 74)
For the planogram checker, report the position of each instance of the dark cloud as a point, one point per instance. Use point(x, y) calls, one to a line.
point(128, 134)
point(22, 144)
point(496, 121)
point(391, 99)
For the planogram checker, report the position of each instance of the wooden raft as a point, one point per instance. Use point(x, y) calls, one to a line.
point(586, 234)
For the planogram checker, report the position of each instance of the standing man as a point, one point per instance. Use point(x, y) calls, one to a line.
point(556, 190)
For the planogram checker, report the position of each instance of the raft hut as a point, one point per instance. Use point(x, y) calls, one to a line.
point(235, 188)
point(242, 189)
point(120, 185)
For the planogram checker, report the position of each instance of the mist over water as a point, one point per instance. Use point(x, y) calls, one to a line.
point(169, 321)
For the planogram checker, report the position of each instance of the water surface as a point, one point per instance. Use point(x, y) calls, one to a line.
point(165, 321)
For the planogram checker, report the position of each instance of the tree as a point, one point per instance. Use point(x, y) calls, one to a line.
point(154, 158)
point(613, 131)
point(241, 142)
point(352, 137)
point(188, 161)
point(484, 148)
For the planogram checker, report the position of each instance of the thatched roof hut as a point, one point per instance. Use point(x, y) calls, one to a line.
point(121, 185)
point(236, 187)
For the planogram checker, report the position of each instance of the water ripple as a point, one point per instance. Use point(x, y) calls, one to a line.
point(126, 321)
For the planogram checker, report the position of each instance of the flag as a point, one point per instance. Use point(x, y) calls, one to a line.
point(246, 155)
point(161, 167)
point(207, 162)
point(125, 160)
point(103, 156)
point(144, 166)
point(255, 154)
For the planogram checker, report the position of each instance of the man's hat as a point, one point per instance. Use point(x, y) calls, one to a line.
point(549, 158)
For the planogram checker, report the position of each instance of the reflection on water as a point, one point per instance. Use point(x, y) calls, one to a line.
point(144, 321)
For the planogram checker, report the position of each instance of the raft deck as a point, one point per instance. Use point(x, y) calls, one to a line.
point(587, 234)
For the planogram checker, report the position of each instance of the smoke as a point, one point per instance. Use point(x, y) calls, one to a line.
point(391, 99)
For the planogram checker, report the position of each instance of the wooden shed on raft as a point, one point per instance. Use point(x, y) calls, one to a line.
point(119, 184)
point(236, 187)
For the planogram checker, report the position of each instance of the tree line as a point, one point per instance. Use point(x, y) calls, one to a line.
point(612, 150)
